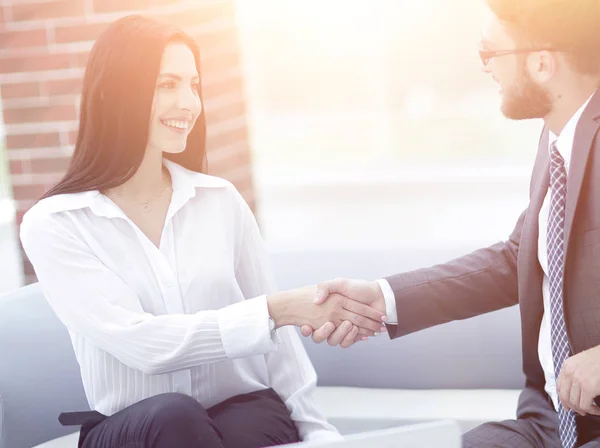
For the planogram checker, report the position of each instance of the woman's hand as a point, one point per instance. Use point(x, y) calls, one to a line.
point(297, 307)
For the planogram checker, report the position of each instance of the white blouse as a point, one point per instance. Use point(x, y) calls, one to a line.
point(190, 317)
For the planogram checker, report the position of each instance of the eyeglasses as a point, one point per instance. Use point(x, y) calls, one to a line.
point(486, 55)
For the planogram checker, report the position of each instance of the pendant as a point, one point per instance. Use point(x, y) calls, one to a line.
point(146, 208)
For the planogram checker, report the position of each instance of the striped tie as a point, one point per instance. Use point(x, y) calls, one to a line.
point(555, 246)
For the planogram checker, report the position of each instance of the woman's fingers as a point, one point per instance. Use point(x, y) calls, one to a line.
point(350, 338)
point(340, 333)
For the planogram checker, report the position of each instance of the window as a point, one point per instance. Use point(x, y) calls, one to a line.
point(372, 125)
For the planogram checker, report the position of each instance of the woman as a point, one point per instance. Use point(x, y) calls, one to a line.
point(159, 272)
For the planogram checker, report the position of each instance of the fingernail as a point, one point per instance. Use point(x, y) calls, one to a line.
point(383, 329)
point(376, 334)
point(384, 319)
point(365, 338)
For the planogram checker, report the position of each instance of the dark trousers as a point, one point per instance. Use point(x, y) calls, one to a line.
point(254, 420)
point(536, 427)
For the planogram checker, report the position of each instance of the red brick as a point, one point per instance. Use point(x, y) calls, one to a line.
point(80, 33)
point(63, 86)
point(246, 187)
point(226, 138)
point(239, 176)
point(221, 113)
point(223, 87)
point(37, 114)
point(79, 60)
point(73, 137)
point(23, 206)
point(15, 167)
point(48, 10)
point(20, 90)
point(215, 11)
point(181, 20)
point(49, 165)
point(33, 191)
point(198, 15)
point(23, 39)
point(220, 62)
point(247, 192)
point(101, 6)
point(233, 160)
point(216, 40)
point(24, 141)
point(35, 64)
point(19, 216)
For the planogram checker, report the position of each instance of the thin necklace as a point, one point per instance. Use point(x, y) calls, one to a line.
point(146, 208)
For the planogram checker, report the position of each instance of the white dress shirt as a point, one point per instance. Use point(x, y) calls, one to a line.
point(189, 317)
point(564, 143)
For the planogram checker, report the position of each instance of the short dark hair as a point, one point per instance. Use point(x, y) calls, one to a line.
point(572, 26)
point(116, 102)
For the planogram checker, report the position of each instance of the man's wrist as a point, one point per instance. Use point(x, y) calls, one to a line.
point(389, 301)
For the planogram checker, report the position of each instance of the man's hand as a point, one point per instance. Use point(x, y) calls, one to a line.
point(298, 307)
point(579, 382)
point(365, 292)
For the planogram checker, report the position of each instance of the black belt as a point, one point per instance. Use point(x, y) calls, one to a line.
point(77, 418)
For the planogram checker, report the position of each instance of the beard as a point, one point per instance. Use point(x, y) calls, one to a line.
point(526, 99)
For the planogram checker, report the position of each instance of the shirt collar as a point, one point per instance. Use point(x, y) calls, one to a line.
point(185, 182)
point(564, 141)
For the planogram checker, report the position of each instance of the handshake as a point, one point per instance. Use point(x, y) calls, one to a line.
point(340, 311)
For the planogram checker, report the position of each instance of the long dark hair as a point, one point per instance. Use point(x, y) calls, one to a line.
point(116, 103)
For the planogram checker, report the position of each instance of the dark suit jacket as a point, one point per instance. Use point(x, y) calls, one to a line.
point(509, 273)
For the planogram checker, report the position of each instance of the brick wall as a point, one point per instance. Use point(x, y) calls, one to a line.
point(43, 51)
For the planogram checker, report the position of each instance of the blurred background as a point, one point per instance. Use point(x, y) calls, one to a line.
point(344, 123)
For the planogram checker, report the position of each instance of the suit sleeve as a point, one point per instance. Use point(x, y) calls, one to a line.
point(483, 281)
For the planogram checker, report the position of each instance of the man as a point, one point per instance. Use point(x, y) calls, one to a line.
point(545, 56)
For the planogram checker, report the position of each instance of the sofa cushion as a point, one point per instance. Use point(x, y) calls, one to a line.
point(39, 375)
point(68, 441)
point(353, 409)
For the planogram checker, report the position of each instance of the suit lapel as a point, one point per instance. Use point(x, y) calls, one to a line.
point(541, 169)
point(530, 272)
point(528, 250)
point(584, 137)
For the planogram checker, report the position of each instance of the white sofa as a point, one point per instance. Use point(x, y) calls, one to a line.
point(468, 371)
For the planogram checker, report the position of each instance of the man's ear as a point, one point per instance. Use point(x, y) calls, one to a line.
point(542, 65)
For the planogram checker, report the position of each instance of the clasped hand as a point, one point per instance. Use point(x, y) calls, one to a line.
point(329, 313)
point(358, 296)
